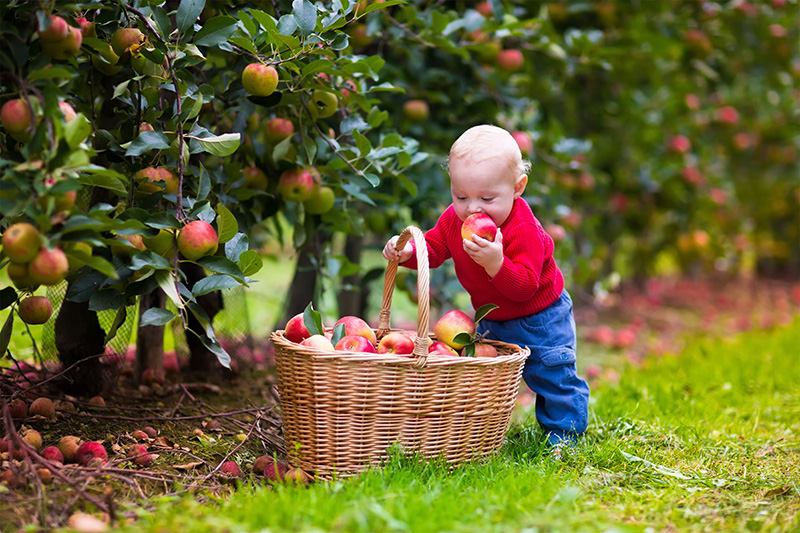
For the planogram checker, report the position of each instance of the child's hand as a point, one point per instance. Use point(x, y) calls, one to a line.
point(390, 252)
point(488, 254)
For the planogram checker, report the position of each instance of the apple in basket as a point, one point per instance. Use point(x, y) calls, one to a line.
point(397, 343)
point(354, 325)
point(452, 324)
point(296, 330)
point(320, 342)
point(483, 349)
point(441, 348)
point(355, 343)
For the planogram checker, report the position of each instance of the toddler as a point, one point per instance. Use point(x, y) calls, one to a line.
point(516, 271)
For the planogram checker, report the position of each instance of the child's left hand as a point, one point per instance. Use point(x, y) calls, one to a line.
point(488, 254)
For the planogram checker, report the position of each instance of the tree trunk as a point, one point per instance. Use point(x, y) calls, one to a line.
point(201, 360)
point(149, 339)
point(352, 298)
point(79, 337)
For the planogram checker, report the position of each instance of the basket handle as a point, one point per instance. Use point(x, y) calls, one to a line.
point(423, 290)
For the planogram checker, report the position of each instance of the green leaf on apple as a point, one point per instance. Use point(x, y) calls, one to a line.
point(338, 333)
point(484, 310)
point(312, 320)
point(469, 350)
point(464, 338)
point(250, 262)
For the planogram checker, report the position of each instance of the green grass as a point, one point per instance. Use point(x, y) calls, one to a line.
point(708, 440)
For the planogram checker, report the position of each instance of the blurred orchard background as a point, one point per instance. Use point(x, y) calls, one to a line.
point(664, 138)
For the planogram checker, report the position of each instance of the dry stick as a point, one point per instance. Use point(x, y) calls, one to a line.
point(229, 454)
point(159, 418)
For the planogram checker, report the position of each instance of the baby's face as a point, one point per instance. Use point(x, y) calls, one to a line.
point(484, 187)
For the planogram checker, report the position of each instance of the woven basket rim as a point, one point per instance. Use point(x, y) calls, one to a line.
point(517, 353)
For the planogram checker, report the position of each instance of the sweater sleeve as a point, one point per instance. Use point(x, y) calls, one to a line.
point(436, 239)
point(519, 276)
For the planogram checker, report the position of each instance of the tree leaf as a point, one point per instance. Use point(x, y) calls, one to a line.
point(227, 226)
point(156, 316)
point(221, 265)
point(469, 350)
point(5, 334)
point(463, 338)
point(188, 11)
point(219, 145)
point(215, 30)
point(338, 333)
point(215, 282)
point(119, 319)
point(250, 263)
point(146, 141)
point(236, 246)
point(105, 178)
point(105, 299)
point(7, 297)
point(167, 284)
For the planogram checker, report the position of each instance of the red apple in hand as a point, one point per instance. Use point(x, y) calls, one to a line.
point(296, 330)
point(451, 324)
point(354, 325)
point(396, 343)
point(479, 224)
point(355, 343)
point(197, 239)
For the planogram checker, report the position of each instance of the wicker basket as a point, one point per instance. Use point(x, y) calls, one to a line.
point(343, 410)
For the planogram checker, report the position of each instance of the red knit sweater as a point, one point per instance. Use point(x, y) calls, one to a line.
point(529, 279)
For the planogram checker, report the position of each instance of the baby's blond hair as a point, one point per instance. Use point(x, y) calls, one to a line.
point(483, 142)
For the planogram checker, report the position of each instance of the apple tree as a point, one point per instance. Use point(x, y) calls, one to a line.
point(143, 151)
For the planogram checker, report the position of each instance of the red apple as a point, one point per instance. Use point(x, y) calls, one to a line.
point(354, 343)
point(21, 242)
point(87, 27)
point(692, 175)
point(68, 110)
point(43, 407)
point(728, 115)
point(68, 446)
point(35, 309)
point(321, 201)
point(296, 330)
point(483, 349)
point(49, 267)
point(438, 347)
point(16, 118)
point(358, 36)
point(450, 325)
point(624, 338)
point(197, 239)
point(19, 409)
point(556, 232)
point(67, 47)
point(123, 38)
point(254, 178)
point(32, 438)
point(89, 451)
point(127, 245)
point(139, 455)
point(510, 60)
point(278, 129)
point(259, 79)
point(51, 453)
point(524, 142)
point(679, 144)
point(57, 30)
point(148, 177)
point(354, 325)
point(416, 110)
point(692, 101)
point(396, 343)
point(479, 224)
point(296, 185)
point(272, 470)
point(485, 9)
point(319, 342)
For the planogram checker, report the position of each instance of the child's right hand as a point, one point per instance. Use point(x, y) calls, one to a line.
point(390, 252)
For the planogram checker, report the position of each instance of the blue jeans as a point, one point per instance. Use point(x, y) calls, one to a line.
point(562, 397)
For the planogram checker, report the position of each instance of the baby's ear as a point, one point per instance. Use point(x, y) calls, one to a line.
point(519, 187)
